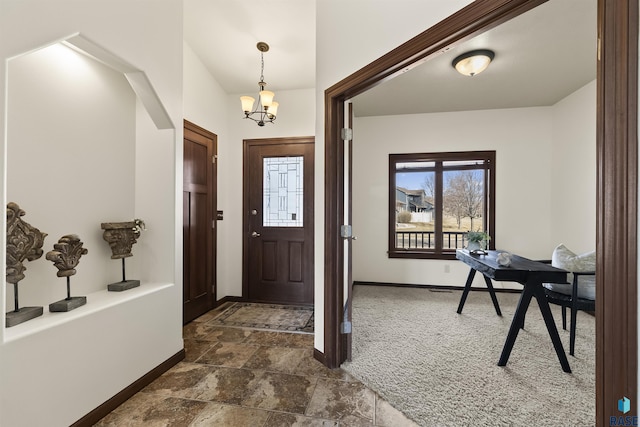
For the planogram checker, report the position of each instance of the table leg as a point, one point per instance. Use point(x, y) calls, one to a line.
point(493, 295)
point(467, 287)
point(551, 327)
point(516, 323)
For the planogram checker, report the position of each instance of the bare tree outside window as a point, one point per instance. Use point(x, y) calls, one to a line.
point(453, 197)
point(429, 186)
point(464, 195)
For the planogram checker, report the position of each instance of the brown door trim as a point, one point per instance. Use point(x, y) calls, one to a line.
point(617, 208)
point(616, 189)
point(245, 199)
point(476, 18)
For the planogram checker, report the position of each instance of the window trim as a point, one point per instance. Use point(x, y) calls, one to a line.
point(489, 187)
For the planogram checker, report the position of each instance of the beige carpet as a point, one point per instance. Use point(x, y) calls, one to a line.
point(290, 318)
point(440, 368)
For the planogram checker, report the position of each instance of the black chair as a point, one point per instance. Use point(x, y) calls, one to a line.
point(573, 303)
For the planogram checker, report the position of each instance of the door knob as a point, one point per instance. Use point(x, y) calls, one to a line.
point(255, 234)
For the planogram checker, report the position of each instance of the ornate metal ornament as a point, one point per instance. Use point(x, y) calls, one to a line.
point(121, 237)
point(24, 242)
point(65, 256)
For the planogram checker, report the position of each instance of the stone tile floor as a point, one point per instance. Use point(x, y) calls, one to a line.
point(246, 377)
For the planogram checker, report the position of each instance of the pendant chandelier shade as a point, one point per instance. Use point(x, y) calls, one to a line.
point(266, 108)
point(473, 62)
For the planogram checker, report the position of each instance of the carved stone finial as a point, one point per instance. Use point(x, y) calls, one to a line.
point(23, 242)
point(66, 254)
point(121, 236)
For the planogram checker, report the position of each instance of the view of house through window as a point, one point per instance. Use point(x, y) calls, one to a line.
point(436, 199)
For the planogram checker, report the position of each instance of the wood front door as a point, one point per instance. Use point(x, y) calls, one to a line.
point(199, 233)
point(278, 220)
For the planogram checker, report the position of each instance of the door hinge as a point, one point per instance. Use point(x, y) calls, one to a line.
point(213, 223)
point(346, 231)
point(345, 327)
point(213, 158)
point(346, 134)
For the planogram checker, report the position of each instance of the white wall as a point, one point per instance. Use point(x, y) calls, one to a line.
point(545, 179)
point(340, 52)
point(573, 173)
point(65, 126)
point(514, 134)
point(97, 350)
point(205, 102)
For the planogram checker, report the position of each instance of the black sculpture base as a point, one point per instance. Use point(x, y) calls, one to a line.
point(123, 286)
point(14, 318)
point(67, 304)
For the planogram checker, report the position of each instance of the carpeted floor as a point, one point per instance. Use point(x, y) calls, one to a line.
point(440, 368)
point(291, 318)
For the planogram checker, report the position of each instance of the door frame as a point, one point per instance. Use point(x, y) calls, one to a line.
point(617, 186)
point(245, 204)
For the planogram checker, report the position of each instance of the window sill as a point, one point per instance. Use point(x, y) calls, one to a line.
point(422, 255)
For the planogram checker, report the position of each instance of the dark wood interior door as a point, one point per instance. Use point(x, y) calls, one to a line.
point(278, 225)
point(198, 221)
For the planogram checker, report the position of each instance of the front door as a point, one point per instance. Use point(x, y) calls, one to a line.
point(199, 204)
point(278, 220)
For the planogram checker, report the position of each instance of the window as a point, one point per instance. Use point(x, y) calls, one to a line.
point(436, 198)
point(282, 192)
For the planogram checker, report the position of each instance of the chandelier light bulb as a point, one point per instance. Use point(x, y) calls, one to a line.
point(247, 103)
point(266, 97)
point(273, 109)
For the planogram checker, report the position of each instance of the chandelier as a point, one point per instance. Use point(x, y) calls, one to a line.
point(266, 108)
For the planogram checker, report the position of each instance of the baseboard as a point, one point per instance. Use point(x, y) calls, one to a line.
point(228, 299)
point(103, 410)
point(242, 299)
point(319, 356)
point(259, 301)
point(436, 287)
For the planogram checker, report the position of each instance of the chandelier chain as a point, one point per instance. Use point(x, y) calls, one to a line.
point(261, 67)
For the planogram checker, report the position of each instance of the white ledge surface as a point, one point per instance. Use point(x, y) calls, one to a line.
point(96, 302)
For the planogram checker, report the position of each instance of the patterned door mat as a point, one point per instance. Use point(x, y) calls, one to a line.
point(290, 318)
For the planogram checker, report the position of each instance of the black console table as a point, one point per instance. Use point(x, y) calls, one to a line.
point(530, 274)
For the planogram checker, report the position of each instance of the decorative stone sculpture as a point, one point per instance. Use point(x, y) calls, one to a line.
point(24, 242)
point(66, 256)
point(121, 236)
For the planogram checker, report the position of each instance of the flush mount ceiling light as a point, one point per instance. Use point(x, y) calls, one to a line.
point(266, 108)
point(473, 62)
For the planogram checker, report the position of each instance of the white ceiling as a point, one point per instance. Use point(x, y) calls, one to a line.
point(224, 34)
point(541, 56)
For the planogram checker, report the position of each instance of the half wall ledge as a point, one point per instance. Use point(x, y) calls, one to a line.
point(96, 302)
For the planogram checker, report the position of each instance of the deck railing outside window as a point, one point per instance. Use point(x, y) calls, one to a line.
point(426, 239)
